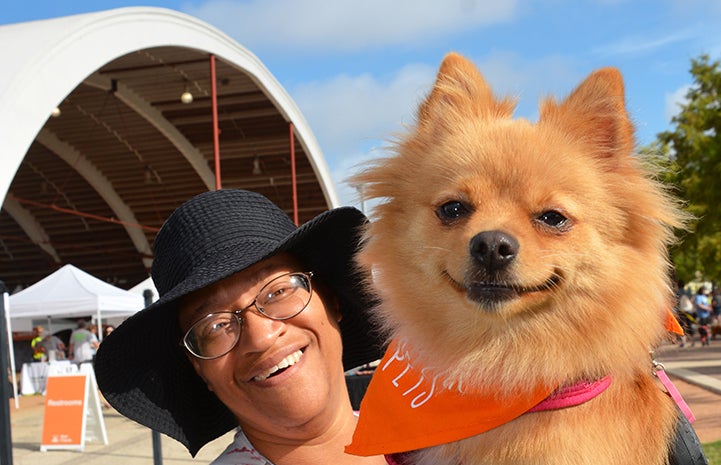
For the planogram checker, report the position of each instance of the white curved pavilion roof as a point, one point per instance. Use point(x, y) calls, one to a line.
point(91, 186)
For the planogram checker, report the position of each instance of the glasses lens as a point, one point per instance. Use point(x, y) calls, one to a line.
point(281, 298)
point(285, 296)
point(214, 335)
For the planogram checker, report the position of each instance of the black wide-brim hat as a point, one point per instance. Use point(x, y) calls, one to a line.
point(141, 368)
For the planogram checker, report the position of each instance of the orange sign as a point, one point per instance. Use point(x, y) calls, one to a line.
point(64, 412)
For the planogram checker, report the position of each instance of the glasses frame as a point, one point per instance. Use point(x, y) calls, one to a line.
point(306, 275)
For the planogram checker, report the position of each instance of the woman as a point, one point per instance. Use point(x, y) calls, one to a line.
point(256, 322)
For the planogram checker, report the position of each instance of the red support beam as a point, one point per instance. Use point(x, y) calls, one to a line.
point(293, 179)
point(216, 130)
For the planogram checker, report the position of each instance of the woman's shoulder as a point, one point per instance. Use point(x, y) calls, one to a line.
point(240, 452)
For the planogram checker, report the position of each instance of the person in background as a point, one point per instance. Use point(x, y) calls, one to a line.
point(686, 314)
point(715, 306)
point(52, 347)
point(93, 328)
point(38, 354)
point(702, 304)
point(83, 344)
point(107, 330)
point(256, 323)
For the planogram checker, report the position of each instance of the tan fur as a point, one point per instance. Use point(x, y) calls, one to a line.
point(602, 316)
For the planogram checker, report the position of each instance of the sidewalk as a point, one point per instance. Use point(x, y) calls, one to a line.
point(696, 372)
point(128, 442)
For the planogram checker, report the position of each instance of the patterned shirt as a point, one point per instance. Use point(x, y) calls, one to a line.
point(240, 452)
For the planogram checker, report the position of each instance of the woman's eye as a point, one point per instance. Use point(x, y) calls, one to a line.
point(451, 211)
point(553, 218)
point(214, 327)
point(275, 294)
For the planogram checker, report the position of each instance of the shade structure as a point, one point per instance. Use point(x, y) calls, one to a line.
point(71, 292)
point(92, 185)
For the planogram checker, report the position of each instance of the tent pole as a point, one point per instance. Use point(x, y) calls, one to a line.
point(11, 348)
point(100, 326)
point(155, 436)
point(6, 451)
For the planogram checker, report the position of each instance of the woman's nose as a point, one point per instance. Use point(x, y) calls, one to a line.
point(258, 332)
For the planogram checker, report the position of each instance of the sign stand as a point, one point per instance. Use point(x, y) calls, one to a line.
point(72, 410)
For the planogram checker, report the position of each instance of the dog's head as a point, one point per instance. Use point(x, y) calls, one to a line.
point(493, 231)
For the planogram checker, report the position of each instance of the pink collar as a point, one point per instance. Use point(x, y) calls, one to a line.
point(572, 395)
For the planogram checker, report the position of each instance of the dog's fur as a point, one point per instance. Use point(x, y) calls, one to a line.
point(510, 253)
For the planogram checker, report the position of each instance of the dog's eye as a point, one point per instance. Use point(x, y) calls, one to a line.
point(553, 218)
point(451, 211)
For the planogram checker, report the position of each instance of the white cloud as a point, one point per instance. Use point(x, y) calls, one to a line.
point(674, 101)
point(529, 80)
point(347, 25)
point(362, 108)
point(354, 117)
point(640, 44)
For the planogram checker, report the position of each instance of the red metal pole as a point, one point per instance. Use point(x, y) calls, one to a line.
point(216, 131)
point(292, 174)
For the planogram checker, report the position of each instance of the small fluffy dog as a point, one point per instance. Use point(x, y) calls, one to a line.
point(509, 255)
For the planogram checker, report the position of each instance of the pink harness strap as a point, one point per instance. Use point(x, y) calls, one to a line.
point(572, 395)
point(675, 395)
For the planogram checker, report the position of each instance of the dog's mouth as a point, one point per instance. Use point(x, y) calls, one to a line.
point(491, 293)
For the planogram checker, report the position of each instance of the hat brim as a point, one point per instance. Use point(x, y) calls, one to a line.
point(145, 374)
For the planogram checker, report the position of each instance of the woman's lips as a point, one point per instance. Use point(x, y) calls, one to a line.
point(288, 361)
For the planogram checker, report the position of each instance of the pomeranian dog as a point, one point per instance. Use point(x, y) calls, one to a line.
point(508, 255)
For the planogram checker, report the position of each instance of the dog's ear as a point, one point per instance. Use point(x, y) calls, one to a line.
point(460, 89)
point(595, 112)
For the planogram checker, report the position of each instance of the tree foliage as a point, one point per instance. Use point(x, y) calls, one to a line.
point(693, 150)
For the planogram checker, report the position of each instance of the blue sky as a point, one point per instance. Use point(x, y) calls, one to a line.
point(357, 70)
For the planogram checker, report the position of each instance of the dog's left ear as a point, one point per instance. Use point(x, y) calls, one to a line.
point(596, 113)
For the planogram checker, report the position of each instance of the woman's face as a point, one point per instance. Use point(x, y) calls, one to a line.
point(245, 379)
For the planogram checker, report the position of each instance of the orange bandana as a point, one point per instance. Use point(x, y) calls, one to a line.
point(671, 323)
point(405, 410)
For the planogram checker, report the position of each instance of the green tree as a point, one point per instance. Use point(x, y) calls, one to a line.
point(693, 148)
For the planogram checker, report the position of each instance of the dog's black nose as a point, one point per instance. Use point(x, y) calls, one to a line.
point(494, 250)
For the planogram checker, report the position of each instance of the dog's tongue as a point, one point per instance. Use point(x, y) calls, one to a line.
point(403, 411)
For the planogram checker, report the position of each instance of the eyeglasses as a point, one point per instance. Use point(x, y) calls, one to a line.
point(281, 298)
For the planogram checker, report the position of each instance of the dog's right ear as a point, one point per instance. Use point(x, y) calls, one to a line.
point(461, 89)
point(595, 112)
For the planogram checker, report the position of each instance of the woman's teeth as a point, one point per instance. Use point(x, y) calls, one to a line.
point(290, 360)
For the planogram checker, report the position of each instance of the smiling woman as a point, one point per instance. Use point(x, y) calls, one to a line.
point(256, 323)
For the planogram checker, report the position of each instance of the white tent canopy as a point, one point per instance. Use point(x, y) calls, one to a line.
point(70, 292)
